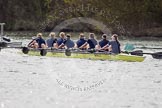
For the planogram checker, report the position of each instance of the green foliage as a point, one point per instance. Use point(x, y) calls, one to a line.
point(120, 15)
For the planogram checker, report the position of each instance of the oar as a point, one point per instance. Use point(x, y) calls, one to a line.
point(43, 51)
point(26, 50)
point(68, 51)
point(14, 44)
point(157, 55)
point(3, 44)
point(10, 44)
point(7, 39)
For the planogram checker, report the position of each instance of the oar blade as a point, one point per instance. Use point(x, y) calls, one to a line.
point(25, 50)
point(91, 50)
point(67, 52)
point(157, 55)
point(43, 52)
point(7, 39)
point(137, 52)
point(3, 44)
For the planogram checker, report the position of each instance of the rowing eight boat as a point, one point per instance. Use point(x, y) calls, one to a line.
point(88, 55)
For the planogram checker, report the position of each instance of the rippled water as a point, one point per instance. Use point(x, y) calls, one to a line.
point(45, 82)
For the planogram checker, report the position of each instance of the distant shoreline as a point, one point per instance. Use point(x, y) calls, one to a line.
point(76, 34)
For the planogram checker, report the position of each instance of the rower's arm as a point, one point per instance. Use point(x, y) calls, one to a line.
point(75, 45)
point(31, 43)
point(110, 47)
point(84, 45)
point(97, 46)
point(55, 45)
point(105, 47)
point(61, 46)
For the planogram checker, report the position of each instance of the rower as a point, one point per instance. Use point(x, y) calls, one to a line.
point(52, 40)
point(69, 43)
point(38, 42)
point(92, 42)
point(114, 45)
point(103, 44)
point(31, 43)
point(81, 43)
point(61, 41)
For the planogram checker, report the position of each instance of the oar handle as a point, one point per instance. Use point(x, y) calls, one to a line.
point(157, 53)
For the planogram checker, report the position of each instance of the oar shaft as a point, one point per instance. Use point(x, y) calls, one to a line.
point(12, 47)
point(67, 50)
point(148, 53)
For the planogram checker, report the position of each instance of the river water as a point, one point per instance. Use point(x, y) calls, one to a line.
point(46, 82)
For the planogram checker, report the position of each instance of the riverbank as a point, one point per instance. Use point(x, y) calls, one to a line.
point(151, 32)
point(75, 35)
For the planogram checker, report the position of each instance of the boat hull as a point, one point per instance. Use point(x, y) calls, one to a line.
point(93, 56)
